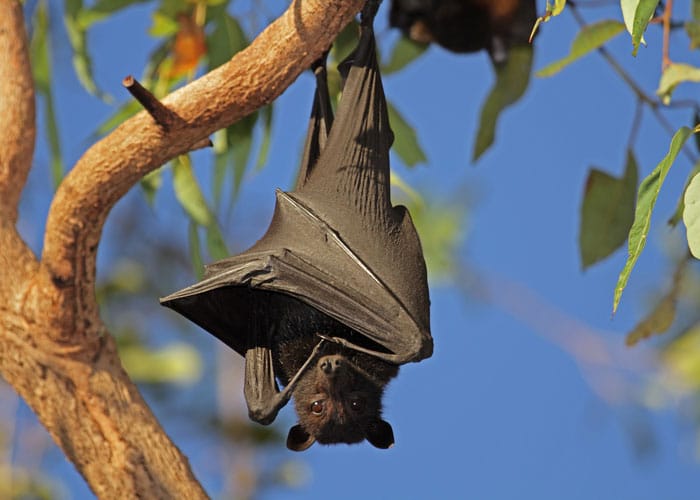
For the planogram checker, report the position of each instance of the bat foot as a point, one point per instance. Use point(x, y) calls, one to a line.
point(369, 11)
point(327, 338)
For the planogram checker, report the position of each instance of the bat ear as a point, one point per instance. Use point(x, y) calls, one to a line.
point(380, 434)
point(298, 439)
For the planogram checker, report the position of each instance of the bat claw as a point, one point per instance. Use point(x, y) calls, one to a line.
point(326, 337)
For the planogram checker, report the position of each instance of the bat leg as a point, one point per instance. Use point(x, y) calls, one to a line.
point(289, 388)
point(369, 11)
point(262, 395)
point(324, 98)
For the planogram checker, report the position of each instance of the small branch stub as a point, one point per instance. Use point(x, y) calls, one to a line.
point(204, 143)
point(161, 114)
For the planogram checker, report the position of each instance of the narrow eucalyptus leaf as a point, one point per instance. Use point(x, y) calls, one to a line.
point(406, 144)
point(587, 40)
point(642, 15)
point(512, 80)
point(646, 199)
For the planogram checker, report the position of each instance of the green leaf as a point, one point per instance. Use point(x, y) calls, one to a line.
point(404, 52)
point(102, 9)
point(440, 228)
point(266, 115)
point(222, 157)
point(77, 36)
point(125, 279)
point(673, 75)
point(41, 66)
point(176, 363)
point(557, 7)
point(345, 42)
point(629, 7)
point(661, 318)
point(215, 243)
point(122, 114)
point(691, 215)
point(241, 145)
point(406, 144)
point(39, 48)
point(189, 194)
point(163, 25)
point(225, 40)
point(233, 147)
point(642, 15)
point(195, 249)
point(607, 212)
point(172, 8)
point(646, 199)
point(551, 10)
point(692, 29)
point(588, 39)
point(151, 183)
point(680, 358)
point(512, 80)
point(680, 207)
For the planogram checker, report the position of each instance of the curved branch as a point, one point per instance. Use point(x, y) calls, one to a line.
point(17, 128)
point(253, 78)
point(54, 349)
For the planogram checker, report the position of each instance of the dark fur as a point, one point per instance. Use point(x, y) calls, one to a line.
point(466, 25)
point(356, 376)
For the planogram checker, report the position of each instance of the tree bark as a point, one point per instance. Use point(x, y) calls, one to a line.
point(54, 349)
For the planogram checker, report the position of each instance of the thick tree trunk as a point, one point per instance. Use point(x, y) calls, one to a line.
point(54, 349)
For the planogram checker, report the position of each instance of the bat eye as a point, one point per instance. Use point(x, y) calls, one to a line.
point(317, 407)
point(357, 404)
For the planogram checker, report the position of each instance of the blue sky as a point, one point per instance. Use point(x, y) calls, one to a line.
point(501, 410)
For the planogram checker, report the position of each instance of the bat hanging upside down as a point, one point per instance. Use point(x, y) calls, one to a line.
point(466, 25)
point(334, 297)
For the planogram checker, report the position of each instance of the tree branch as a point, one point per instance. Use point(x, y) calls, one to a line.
point(253, 78)
point(54, 348)
point(17, 128)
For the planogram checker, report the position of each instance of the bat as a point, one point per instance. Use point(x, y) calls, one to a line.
point(466, 25)
point(334, 297)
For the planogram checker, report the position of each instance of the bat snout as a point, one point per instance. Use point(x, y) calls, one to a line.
point(331, 365)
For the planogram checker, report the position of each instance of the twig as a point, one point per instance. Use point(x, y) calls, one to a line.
point(654, 104)
point(160, 113)
point(665, 59)
point(636, 122)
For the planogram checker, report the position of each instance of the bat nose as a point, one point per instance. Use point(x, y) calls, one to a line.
point(330, 364)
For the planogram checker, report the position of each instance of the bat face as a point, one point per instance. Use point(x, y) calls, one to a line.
point(338, 397)
point(338, 402)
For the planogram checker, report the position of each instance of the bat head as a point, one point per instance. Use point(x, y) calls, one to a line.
point(337, 402)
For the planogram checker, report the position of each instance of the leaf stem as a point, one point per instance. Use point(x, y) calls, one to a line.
point(636, 122)
point(665, 59)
